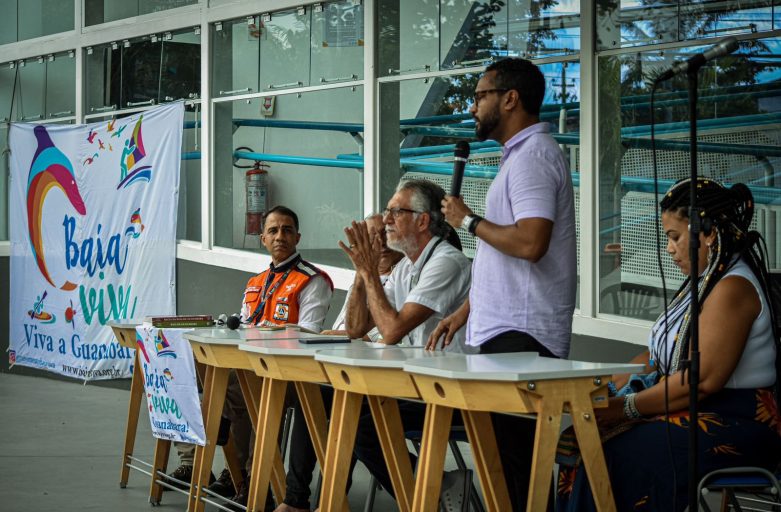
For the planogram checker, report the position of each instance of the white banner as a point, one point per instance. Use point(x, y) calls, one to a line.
point(170, 384)
point(93, 237)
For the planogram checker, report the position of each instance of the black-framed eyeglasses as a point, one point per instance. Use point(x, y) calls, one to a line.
point(479, 95)
point(396, 212)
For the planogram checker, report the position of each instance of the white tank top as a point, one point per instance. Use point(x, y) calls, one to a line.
point(756, 368)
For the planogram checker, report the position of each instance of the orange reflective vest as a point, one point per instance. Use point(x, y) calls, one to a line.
point(281, 297)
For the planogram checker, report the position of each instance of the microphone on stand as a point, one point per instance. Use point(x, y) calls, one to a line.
point(460, 157)
point(724, 47)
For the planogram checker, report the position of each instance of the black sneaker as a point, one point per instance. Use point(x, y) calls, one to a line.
point(242, 494)
point(181, 477)
point(223, 485)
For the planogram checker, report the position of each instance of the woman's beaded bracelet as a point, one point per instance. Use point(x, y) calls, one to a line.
point(611, 388)
point(630, 409)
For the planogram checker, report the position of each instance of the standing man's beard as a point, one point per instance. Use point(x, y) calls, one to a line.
point(484, 127)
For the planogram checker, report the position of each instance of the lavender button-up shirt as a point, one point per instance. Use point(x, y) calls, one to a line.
point(513, 294)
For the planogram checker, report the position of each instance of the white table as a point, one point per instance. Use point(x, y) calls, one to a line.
point(279, 358)
point(378, 374)
point(511, 383)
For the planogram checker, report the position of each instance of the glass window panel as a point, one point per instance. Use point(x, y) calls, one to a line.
point(300, 161)
point(8, 24)
point(8, 75)
point(739, 110)
point(409, 36)
point(103, 78)
point(472, 32)
point(188, 224)
point(540, 28)
point(337, 43)
point(103, 11)
point(148, 6)
point(641, 22)
point(140, 72)
point(61, 85)
point(32, 79)
point(236, 49)
point(181, 67)
point(44, 17)
point(284, 50)
point(433, 114)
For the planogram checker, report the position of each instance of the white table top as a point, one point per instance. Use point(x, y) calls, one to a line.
point(376, 356)
point(512, 367)
point(292, 346)
point(222, 336)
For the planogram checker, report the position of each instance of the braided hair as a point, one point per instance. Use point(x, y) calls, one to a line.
point(728, 213)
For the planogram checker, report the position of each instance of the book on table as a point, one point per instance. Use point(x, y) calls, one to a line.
point(181, 321)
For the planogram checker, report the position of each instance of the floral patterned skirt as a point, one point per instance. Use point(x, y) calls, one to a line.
point(738, 427)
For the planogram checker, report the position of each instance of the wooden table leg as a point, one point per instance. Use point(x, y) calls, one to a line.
point(590, 445)
point(159, 464)
point(214, 388)
point(390, 431)
point(436, 432)
point(488, 463)
point(345, 414)
point(251, 386)
point(545, 440)
point(131, 426)
point(266, 453)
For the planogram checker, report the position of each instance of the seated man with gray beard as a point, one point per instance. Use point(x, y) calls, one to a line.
point(427, 285)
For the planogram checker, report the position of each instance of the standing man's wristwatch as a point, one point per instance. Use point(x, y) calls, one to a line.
point(470, 222)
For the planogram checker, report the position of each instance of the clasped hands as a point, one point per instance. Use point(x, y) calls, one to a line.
point(364, 249)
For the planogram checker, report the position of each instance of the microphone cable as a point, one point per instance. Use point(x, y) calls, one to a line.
point(665, 353)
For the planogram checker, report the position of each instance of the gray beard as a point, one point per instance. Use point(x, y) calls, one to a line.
point(405, 246)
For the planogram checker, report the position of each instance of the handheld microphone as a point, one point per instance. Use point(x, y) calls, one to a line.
point(724, 47)
point(233, 322)
point(460, 157)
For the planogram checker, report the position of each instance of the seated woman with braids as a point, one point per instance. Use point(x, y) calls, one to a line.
point(739, 422)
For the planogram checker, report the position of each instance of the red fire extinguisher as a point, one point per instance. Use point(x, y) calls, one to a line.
point(256, 193)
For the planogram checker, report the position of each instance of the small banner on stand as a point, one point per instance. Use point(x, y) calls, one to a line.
point(170, 385)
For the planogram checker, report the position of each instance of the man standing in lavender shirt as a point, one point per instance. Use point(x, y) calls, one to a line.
point(524, 272)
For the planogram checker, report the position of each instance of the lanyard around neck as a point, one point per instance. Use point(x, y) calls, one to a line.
point(268, 293)
point(416, 277)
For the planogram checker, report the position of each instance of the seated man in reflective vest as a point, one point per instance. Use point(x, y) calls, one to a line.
point(290, 291)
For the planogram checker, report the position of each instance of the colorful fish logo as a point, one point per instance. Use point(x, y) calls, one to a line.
point(132, 153)
point(162, 346)
point(50, 168)
point(168, 375)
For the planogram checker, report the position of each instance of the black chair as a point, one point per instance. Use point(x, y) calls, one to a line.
point(742, 488)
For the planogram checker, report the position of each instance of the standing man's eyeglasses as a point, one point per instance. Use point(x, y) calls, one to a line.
point(479, 95)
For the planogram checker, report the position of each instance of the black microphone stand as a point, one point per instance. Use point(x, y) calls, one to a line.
point(693, 363)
